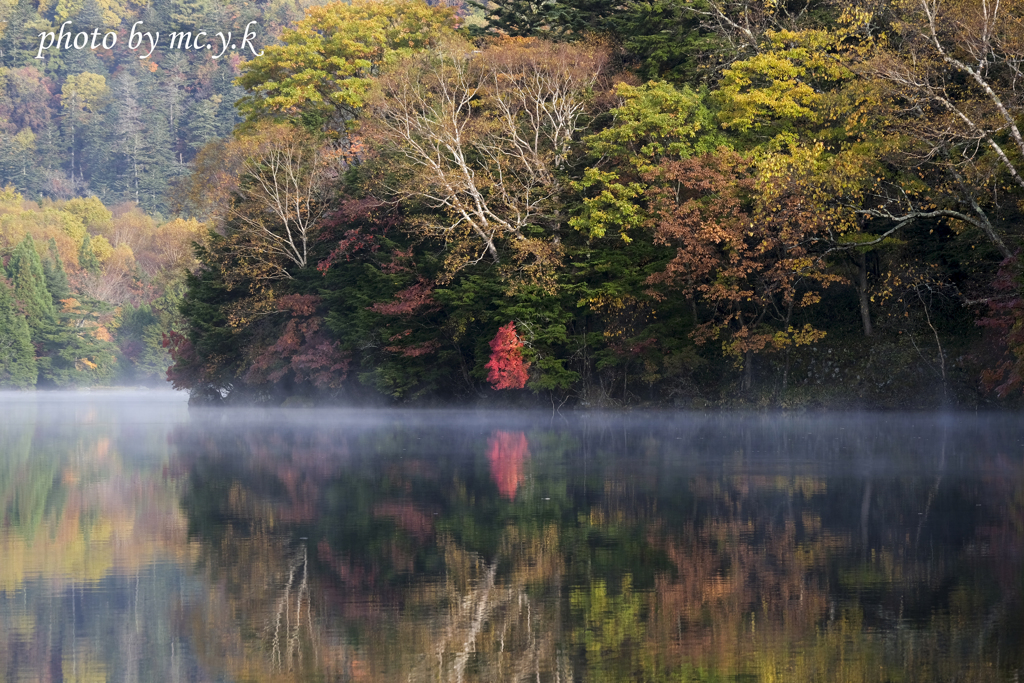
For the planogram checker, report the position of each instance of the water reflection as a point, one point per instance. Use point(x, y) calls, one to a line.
point(377, 546)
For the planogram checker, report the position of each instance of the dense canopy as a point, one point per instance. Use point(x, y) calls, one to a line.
point(693, 203)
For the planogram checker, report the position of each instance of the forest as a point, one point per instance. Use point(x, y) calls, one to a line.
point(664, 202)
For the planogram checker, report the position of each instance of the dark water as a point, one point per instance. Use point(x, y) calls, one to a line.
point(139, 542)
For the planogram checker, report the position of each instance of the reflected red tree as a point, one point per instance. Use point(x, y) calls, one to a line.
point(507, 452)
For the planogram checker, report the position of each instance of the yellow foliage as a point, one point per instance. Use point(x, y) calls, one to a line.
point(91, 212)
point(102, 248)
point(65, 222)
point(9, 197)
point(120, 260)
point(6, 11)
point(11, 231)
point(171, 246)
point(132, 226)
point(102, 334)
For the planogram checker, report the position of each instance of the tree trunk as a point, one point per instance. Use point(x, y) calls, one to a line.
point(862, 293)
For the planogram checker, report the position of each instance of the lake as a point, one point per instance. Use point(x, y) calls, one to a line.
point(142, 541)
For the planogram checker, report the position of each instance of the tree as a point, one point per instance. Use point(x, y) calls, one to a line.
point(17, 355)
point(746, 272)
point(26, 272)
point(952, 73)
point(87, 258)
point(322, 72)
point(82, 96)
point(201, 124)
point(303, 352)
point(130, 135)
point(267, 192)
point(282, 193)
point(79, 351)
point(479, 138)
point(507, 370)
point(519, 18)
point(654, 122)
point(56, 276)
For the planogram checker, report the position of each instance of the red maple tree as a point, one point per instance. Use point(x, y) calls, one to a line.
point(507, 367)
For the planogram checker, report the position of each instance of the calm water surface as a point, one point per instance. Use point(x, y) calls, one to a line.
point(142, 542)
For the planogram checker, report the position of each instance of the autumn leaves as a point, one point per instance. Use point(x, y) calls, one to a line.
point(622, 227)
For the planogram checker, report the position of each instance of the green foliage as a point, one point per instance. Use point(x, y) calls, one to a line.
point(26, 273)
point(142, 358)
point(77, 350)
point(87, 258)
point(520, 18)
point(786, 88)
point(56, 276)
point(17, 355)
point(653, 122)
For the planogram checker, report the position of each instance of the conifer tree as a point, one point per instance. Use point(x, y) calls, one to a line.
point(87, 257)
point(56, 276)
point(26, 271)
point(19, 41)
point(202, 124)
point(518, 18)
point(17, 356)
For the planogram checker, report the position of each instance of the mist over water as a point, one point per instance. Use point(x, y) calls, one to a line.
point(140, 540)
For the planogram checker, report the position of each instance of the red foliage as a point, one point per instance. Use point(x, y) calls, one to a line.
point(354, 240)
point(415, 350)
point(507, 452)
point(507, 367)
point(412, 351)
point(298, 304)
point(401, 262)
point(303, 349)
point(417, 299)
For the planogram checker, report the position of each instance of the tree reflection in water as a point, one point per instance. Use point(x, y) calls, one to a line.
point(591, 554)
point(371, 546)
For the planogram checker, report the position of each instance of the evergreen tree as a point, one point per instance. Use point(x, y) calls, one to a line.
point(19, 42)
point(202, 126)
point(518, 18)
point(158, 162)
point(17, 356)
point(187, 15)
point(87, 257)
point(56, 276)
point(126, 123)
point(76, 350)
point(171, 99)
point(26, 271)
